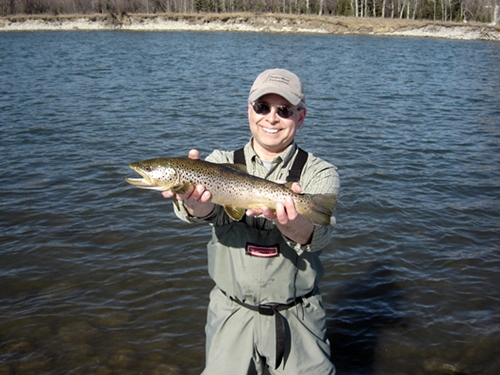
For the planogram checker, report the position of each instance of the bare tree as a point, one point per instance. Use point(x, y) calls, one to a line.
point(356, 8)
point(496, 13)
point(446, 10)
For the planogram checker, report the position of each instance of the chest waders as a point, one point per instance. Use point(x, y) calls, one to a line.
point(274, 309)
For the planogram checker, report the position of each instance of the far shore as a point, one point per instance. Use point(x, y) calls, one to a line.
point(253, 22)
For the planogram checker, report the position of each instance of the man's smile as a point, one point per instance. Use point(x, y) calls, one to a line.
point(270, 131)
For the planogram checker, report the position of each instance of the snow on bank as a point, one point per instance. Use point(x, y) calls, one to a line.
point(457, 32)
point(152, 24)
point(159, 24)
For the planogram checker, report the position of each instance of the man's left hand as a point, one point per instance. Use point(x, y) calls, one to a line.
point(290, 223)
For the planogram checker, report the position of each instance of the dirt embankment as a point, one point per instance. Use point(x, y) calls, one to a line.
point(252, 22)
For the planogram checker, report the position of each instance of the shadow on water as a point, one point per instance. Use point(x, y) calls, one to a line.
point(361, 308)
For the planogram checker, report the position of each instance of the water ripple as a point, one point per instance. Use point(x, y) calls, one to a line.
point(99, 277)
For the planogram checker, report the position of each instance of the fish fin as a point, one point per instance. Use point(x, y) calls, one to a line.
point(176, 203)
point(238, 167)
point(323, 208)
point(181, 189)
point(235, 213)
point(288, 185)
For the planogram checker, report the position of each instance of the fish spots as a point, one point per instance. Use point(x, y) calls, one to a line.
point(231, 187)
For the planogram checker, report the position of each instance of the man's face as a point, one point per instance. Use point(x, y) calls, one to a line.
point(272, 133)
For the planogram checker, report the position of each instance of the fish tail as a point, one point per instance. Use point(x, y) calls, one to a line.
point(322, 209)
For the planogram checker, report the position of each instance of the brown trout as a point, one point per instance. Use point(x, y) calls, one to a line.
point(230, 187)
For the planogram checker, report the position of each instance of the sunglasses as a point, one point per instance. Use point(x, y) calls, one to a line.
point(264, 109)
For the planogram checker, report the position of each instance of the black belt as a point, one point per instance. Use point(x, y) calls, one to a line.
point(270, 310)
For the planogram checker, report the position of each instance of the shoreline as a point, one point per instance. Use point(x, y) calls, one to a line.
point(253, 22)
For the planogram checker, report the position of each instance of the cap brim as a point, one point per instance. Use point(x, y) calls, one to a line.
point(292, 98)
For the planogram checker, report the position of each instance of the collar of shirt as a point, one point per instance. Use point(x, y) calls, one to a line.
point(284, 160)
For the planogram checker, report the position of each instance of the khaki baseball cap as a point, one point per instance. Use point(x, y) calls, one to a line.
point(280, 82)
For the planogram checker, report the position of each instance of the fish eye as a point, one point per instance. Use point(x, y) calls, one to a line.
point(148, 168)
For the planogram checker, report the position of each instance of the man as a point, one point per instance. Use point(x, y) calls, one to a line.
point(265, 310)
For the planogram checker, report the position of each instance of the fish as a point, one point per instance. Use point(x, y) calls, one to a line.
point(230, 186)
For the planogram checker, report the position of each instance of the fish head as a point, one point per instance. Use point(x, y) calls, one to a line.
point(157, 174)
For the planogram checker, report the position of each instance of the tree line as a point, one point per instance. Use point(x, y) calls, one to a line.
point(439, 10)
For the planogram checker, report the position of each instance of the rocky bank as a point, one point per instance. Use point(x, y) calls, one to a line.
point(242, 22)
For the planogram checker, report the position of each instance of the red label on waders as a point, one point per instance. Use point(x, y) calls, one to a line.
point(262, 251)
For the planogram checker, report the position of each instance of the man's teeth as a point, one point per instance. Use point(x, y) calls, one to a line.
point(272, 131)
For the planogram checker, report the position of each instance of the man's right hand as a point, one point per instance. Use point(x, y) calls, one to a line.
point(197, 199)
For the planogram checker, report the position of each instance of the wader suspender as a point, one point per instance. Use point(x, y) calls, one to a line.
point(274, 309)
point(293, 173)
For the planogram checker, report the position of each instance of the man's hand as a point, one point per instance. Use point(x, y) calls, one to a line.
point(266, 211)
point(197, 199)
point(290, 223)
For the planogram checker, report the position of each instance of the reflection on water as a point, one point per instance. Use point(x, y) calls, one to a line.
point(365, 307)
point(97, 277)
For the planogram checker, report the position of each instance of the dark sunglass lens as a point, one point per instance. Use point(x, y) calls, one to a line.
point(264, 109)
point(261, 108)
point(284, 112)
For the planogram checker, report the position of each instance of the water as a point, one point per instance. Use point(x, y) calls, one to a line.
point(98, 277)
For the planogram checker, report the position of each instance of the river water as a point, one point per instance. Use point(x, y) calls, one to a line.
point(98, 277)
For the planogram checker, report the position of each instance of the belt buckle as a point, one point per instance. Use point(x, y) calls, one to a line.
point(266, 310)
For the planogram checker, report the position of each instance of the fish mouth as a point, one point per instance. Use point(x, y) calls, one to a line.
point(144, 182)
